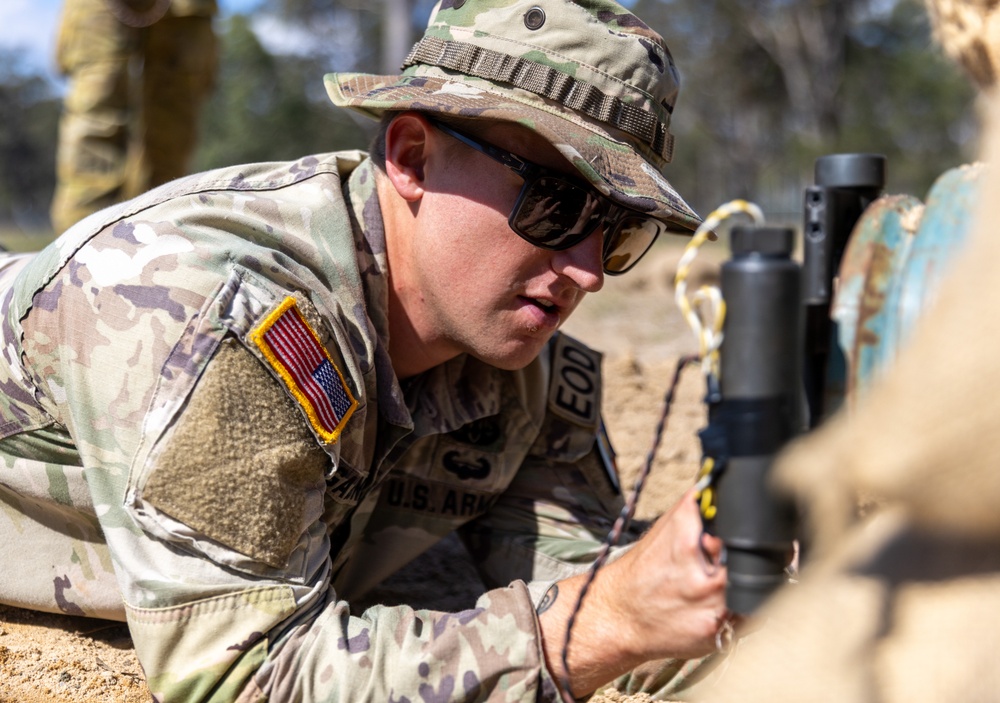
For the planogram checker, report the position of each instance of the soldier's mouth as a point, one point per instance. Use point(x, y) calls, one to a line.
point(543, 314)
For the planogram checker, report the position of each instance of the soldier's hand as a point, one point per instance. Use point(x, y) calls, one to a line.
point(664, 598)
point(675, 585)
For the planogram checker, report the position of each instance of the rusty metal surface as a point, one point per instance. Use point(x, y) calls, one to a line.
point(874, 252)
point(951, 205)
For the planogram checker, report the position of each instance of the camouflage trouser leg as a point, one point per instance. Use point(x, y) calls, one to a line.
point(130, 116)
point(94, 51)
point(180, 58)
point(93, 141)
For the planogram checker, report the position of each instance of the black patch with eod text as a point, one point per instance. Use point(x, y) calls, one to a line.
point(574, 392)
point(432, 498)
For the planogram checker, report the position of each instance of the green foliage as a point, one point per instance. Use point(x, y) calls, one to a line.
point(267, 108)
point(29, 115)
point(769, 86)
point(905, 99)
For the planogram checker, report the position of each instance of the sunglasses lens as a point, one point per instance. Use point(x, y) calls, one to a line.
point(631, 238)
point(556, 214)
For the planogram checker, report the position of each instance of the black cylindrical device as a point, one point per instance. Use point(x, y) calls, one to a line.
point(761, 408)
point(845, 184)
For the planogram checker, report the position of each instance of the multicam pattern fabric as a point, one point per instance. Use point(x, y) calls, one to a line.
point(589, 76)
point(155, 468)
point(103, 156)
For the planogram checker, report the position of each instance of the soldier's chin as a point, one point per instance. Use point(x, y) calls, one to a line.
point(518, 358)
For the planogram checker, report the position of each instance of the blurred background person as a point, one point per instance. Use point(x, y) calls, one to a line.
point(139, 72)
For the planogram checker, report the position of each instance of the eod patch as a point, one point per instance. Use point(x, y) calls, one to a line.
point(575, 388)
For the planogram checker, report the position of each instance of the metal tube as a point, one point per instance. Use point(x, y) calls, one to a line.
point(761, 409)
point(846, 184)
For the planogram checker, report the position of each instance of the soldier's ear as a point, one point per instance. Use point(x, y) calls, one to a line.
point(407, 143)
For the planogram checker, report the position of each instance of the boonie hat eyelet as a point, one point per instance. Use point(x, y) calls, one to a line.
point(534, 18)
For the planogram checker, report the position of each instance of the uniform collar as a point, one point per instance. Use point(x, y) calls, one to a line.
point(453, 394)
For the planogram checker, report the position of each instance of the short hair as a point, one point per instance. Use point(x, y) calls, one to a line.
point(376, 149)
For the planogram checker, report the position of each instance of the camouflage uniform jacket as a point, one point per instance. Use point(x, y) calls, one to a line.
point(201, 433)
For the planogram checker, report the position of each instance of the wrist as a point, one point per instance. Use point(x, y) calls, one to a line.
point(604, 642)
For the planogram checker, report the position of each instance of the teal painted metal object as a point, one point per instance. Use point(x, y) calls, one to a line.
point(951, 205)
point(895, 259)
point(876, 250)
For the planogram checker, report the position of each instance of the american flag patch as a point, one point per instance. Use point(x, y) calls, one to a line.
point(293, 349)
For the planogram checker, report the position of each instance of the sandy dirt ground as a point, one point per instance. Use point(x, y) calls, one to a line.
point(634, 321)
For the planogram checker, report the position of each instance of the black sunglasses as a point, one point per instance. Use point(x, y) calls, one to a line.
point(555, 212)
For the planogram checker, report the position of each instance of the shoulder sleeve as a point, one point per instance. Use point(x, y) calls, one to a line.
point(225, 561)
point(255, 613)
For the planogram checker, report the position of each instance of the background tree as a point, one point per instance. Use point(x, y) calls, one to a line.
point(29, 114)
point(767, 86)
point(269, 108)
point(387, 28)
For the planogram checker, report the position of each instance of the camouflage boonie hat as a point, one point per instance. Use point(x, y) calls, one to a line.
point(589, 76)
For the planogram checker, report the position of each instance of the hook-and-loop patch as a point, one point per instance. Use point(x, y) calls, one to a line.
point(575, 388)
point(296, 354)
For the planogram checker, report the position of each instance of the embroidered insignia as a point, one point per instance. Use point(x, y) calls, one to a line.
point(484, 432)
point(575, 389)
point(294, 351)
point(466, 469)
